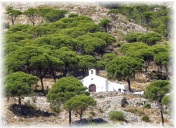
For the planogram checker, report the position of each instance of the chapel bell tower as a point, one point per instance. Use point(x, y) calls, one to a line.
point(92, 72)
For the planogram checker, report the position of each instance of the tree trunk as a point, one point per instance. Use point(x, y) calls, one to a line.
point(28, 68)
point(146, 27)
point(53, 74)
point(129, 84)
point(33, 23)
point(134, 74)
point(146, 66)
point(106, 28)
point(65, 71)
point(167, 74)
point(41, 80)
point(141, 20)
point(54, 79)
point(19, 102)
point(161, 111)
point(81, 114)
point(147, 22)
point(13, 22)
point(69, 117)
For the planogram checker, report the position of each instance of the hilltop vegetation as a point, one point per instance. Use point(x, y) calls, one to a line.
point(69, 44)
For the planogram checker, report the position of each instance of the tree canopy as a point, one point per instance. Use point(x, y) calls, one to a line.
point(123, 68)
point(63, 90)
point(31, 13)
point(13, 14)
point(80, 103)
point(19, 84)
point(156, 90)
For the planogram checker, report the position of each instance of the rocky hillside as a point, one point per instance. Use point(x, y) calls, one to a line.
point(91, 9)
point(38, 112)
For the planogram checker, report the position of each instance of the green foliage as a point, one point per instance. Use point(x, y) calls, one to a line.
point(13, 14)
point(55, 107)
point(72, 32)
point(158, 53)
point(79, 103)
point(19, 59)
point(19, 84)
point(157, 89)
point(68, 57)
point(135, 111)
point(59, 40)
point(123, 68)
point(128, 48)
point(72, 15)
point(113, 13)
point(86, 61)
point(18, 36)
point(132, 37)
point(147, 106)
point(100, 65)
point(42, 11)
point(92, 113)
point(146, 118)
point(89, 44)
point(55, 15)
point(102, 35)
point(90, 27)
point(107, 58)
point(147, 17)
point(156, 17)
point(101, 110)
point(157, 48)
point(116, 116)
point(161, 58)
point(18, 27)
point(64, 89)
point(104, 23)
point(31, 13)
point(38, 31)
point(149, 38)
point(44, 40)
point(166, 100)
point(79, 19)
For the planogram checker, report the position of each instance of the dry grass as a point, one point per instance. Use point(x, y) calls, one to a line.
point(136, 110)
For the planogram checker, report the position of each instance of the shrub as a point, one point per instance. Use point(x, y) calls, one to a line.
point(101, 96)
point(147, 106)
point(135, 111)
point(149, 38)
point(146, 118)
point(92, 113)
point(72, 15)
point(132, 37)
point(116, 116)
point(101, 110)
point(55, 107)
point(166, 100)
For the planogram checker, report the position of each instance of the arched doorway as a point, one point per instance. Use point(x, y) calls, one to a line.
point(92, 88)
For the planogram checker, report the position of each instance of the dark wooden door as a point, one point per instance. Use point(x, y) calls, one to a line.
point(92, 88)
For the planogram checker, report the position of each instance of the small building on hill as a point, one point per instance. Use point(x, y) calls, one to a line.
point(96, 83)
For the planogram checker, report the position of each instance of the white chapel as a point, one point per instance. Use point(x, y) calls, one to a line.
point(96, 83)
